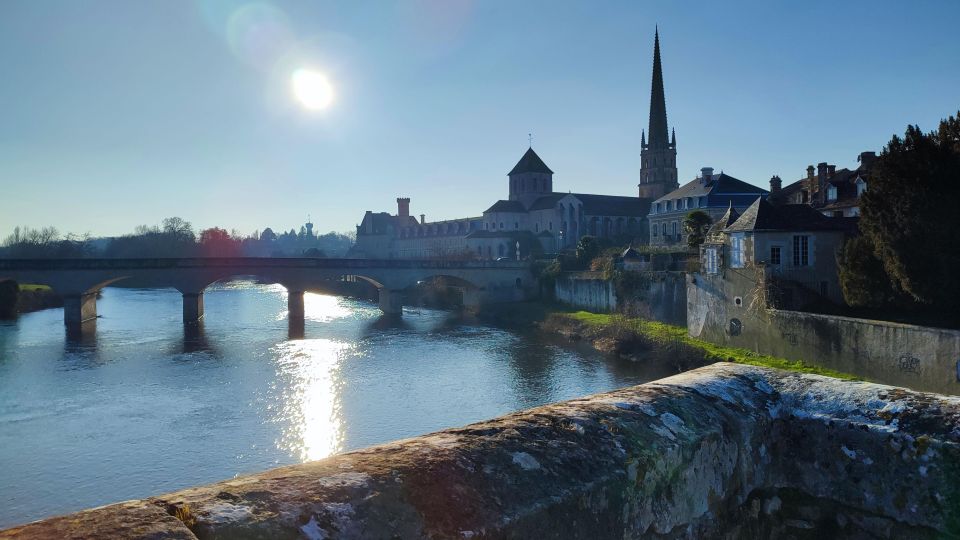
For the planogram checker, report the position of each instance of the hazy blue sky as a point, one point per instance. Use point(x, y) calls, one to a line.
point(119, 113)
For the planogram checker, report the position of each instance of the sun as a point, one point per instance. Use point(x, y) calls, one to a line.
point(312, 89)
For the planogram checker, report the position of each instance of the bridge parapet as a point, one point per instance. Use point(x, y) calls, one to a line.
point(726, 451)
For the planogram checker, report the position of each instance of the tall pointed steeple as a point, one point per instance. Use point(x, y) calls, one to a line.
point(658, 102)
point(658, 153)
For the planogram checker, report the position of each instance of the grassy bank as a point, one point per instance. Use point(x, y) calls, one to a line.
point(626, 335)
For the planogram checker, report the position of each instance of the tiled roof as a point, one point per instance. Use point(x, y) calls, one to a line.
point(506, 206)
point(530, 162)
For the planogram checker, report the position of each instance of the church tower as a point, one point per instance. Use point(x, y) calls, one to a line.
point(658, 156)
point(530, 179)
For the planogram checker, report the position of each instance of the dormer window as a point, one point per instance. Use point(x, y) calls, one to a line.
point(832, 193)
point(861, 186)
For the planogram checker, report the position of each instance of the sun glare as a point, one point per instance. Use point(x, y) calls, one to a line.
point(312, 89)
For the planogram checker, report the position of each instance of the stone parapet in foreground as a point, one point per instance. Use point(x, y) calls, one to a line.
point(725, 451)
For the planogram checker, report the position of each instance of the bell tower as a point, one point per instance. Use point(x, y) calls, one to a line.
point(658, 156)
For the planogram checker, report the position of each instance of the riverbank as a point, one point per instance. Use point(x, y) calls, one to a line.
point(26, 298)
point(638, 338)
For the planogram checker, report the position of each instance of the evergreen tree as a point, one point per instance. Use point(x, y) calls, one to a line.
point(909, 213)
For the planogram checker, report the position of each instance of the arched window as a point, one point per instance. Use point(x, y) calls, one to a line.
point(501, 225)
point(516, 225)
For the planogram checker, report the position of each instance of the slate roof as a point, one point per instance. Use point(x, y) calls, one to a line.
point(613, 205)
point(717, 184)
point(506, 206)
point(631, 254)
point(727, 219)
point(547, 201)
point(380, 222)
point(530, 162)
point(763, 216)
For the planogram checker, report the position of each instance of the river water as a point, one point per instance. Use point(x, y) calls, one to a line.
point(141, 408)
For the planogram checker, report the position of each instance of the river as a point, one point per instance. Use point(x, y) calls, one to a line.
point(141, 407)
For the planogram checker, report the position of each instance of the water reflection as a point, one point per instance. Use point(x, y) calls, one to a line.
point(195, 338)
point(81, 337)
point(308, 380)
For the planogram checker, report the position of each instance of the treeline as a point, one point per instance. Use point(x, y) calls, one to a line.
point(908, 255)
point(174, 237)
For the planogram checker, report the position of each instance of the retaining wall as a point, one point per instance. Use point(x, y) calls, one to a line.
point(918, 357)
point(662, 295)
point(724, 451)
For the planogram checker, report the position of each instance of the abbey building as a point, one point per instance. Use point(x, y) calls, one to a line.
point(534, 218)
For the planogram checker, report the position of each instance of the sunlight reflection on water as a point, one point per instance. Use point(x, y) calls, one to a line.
point(310, 404)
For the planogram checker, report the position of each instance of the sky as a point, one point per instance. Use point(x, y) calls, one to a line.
point(115, 113)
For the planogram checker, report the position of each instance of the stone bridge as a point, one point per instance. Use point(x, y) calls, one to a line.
point(79, 280)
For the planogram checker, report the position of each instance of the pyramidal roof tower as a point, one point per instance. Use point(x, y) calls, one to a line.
point(658, 150)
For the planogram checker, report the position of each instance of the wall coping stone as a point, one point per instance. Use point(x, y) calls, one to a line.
point(684, 457)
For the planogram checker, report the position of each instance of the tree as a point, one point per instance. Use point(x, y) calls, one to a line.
point(216, 242)
point(863, 280)
point(587, 249)
point(696, 225)
point(179, 228)
point(908, 213)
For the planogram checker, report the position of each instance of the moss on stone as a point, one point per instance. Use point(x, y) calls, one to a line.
point(668, 335)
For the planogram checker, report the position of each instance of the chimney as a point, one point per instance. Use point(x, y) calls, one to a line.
point(705, 174)
point(823, 176)
point(403, 207)
point(832, 169)
point(809, 172)
point(866, 159)
point(423, 219)
point(775, 185)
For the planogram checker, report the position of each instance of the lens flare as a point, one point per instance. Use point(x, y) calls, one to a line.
point(312, 89)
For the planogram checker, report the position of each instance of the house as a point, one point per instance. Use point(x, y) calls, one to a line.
point(633, 260)
point(790, 251)
point(832, 192)
point(711, 193)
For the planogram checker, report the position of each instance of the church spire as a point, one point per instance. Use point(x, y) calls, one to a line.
point(658, 103)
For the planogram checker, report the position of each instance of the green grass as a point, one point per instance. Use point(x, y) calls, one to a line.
point(668, 334)
point(25, 287)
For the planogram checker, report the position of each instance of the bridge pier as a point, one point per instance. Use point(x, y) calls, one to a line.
point(79, 308)
point(391, 302)
point(192, 307)
point(295, 305)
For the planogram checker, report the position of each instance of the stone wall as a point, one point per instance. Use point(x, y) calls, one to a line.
point(725, 451)
point(917, 357)
point(586, 290)
point(661, 296)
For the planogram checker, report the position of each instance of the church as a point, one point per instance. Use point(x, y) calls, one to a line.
point(534, 219)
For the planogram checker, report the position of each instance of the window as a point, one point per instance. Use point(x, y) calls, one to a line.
point(775, 255)
point(655, 229)
point(501, 225)
point(674, 228)
point(736, 250)
point(861, 187)
point(703, 202)
point(711, 261)
point(516, 225)
point(832, 193)
point(663, 228)
point(801, 250)
point(551, 225)
point(537, 227)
